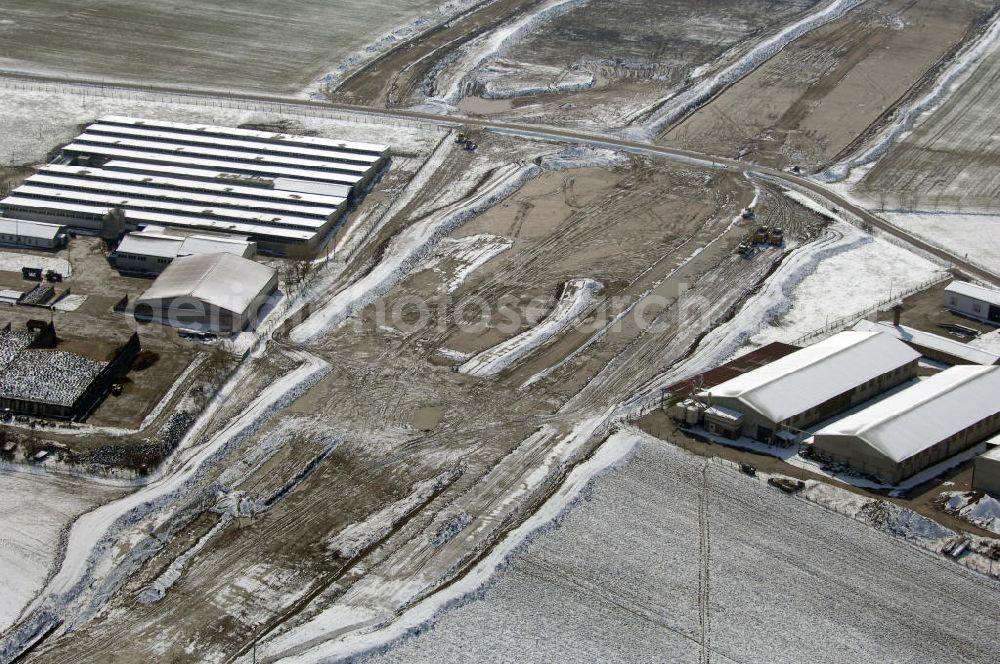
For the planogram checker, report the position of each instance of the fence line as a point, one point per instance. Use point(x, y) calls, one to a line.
point(881, 305)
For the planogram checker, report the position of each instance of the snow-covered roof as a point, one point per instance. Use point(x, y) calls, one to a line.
point(976, 292)
point(917, 418)
point(164, 245)
point(353, 146)
point(36, 229)
point(724, 413)
point(809, 377)
point(209, 181)
point(933, 341)
point(262, 169)
point(50, 376)
point(993, 454)
point(150, 244)
point(222, 280)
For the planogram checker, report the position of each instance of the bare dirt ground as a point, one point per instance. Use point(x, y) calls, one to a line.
point(384, 376)
point(949, 162)
point(812, 100)
point(302, 514)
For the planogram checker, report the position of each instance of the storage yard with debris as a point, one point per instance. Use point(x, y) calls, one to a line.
point(519, 305)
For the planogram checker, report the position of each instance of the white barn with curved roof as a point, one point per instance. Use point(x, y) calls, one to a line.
point(220, 293)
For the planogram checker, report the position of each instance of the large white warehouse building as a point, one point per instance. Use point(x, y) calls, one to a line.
point(919, 426)
point(813, 384)
point(283, 192)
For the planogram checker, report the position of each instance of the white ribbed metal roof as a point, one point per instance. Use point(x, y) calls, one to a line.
point(152, 134)
point(809, 377)
point(247, 133)
point(222, 280)
point(141, 216)
point(264, 169)
point(128, 202)
point(57, 182)
point(35, 229)
point(919, 417)
point(210, 183)
point(236, 156)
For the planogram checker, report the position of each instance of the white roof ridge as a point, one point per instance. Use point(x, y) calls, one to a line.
point(816, 359)
point(961, 374)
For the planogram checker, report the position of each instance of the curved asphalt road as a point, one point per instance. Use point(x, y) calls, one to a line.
point(289, 104)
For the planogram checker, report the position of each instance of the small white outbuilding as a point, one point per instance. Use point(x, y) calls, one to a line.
point(973, 301)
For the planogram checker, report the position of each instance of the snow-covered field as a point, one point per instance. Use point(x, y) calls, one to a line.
point(37, 118)
point(858, 273)
point(254, 45)
point(975, 237)
point(669, 555)
point(34, 510)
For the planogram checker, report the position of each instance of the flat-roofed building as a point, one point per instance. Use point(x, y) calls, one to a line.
point(974, 301)
point(31, 234)
point(220, 293)
point(284, 192)
point(151, 250)
point(814, 383)
point(917, 427)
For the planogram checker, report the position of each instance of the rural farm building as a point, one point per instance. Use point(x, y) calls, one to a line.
point(932, 346)
point(986, 472)
point(810, 385)
point(38, 379)
point(151, 250)
point(31, 234)
point(220, 293)
point(974, 301)
point(919, 426)
point(284, 192)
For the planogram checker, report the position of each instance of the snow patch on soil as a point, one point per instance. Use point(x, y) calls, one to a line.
point(406, 250)
point(576, 297)
point(975, 507)
point(507, 79)
point(459, 258)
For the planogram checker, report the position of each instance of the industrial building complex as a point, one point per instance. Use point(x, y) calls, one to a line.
point(282, 192)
